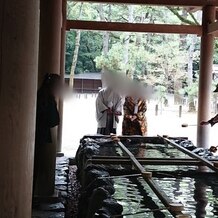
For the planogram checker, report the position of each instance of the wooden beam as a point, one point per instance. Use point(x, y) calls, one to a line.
point(134, 27)
point(157, 2)
point(213, 28)
point(193, 9)
point(216, 15)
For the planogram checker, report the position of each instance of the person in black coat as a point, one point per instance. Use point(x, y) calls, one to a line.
point(47, 118)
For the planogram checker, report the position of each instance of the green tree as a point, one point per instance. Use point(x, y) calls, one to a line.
point(171, 61)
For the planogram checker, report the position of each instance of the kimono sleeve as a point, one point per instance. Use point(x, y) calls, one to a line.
point(100, 106)
point(142, 110)
point(119, 104)
point(126, 109)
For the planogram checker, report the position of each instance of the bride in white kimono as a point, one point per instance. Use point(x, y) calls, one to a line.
point(108, 110)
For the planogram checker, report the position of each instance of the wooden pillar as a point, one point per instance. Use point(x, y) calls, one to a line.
point(49, 62)
point(50, 37)
point(205, 78)
point(62, 71)
point(19, 25)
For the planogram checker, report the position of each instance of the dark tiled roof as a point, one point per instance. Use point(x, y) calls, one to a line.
point(96, 76)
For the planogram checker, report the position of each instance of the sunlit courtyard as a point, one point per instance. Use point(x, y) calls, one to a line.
point(79, 120)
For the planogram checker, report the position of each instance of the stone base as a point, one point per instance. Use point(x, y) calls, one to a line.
point(72, 161)
point(57, 207)
point(47, 199)
point(60, 154)
point(47, 214)
point(54, 206)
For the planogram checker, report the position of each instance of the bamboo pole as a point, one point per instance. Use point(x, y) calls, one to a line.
point(191, 154)
point(142, 158)
point(174, 208)
point(134, 161)
point(145, 139)
point(148, 162)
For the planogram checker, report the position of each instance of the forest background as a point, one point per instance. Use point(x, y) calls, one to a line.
point(168, 62)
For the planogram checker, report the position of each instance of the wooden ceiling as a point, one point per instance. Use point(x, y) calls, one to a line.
point(190, 5)
point(182, 3)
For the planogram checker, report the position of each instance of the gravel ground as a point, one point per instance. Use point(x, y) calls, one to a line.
point(73, 194)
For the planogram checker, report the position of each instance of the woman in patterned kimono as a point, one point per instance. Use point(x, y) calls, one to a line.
point(134, 121)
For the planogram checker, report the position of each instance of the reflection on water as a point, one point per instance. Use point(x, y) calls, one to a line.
point(199, 196)
point(137, 199)
point(158, 151)
point(144, 150)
